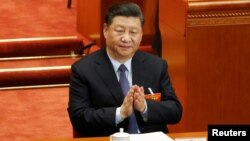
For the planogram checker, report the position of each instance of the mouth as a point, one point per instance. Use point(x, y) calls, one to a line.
point(124, 46)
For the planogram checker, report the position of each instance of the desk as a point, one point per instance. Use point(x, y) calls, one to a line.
point(187, 134)
point(171, 135)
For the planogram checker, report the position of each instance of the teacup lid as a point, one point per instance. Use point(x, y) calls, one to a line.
point(121, 133)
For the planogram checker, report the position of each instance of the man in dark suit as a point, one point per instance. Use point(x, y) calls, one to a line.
point(98, 106)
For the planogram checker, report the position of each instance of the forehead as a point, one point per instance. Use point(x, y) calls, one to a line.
point(127, 21)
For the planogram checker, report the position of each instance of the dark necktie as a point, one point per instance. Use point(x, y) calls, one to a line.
point(133, 127)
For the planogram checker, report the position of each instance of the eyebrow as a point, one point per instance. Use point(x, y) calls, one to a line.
point(122, 26)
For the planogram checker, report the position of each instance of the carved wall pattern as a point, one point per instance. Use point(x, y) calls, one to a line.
point(218, 18)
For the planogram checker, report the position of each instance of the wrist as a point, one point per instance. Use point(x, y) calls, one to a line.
point(123, 116)
point(144, 109)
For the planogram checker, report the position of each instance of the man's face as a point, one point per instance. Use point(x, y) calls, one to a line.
point(123, 37)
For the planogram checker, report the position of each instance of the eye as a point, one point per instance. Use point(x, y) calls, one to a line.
point(133, 32)
point(119, 30)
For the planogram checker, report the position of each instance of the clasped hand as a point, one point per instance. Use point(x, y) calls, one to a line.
point(134, 100)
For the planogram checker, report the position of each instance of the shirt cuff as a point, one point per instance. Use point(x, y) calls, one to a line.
point(118, 117)
point(144, 114)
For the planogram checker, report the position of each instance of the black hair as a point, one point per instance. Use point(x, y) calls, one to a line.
point(127, 9)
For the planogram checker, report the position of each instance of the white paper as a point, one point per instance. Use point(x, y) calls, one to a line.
point(154, 136)
point(190, 139)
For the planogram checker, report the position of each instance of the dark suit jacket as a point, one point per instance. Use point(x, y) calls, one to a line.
point(95, 94)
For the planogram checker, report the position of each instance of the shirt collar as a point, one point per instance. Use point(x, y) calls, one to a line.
point(117, 64)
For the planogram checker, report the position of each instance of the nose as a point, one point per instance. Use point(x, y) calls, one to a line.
point(126, 37)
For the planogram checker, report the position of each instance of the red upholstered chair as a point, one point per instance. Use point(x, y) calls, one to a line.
point(38, 61)
point(148, 49)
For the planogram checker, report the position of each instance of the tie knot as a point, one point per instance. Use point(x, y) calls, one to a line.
point(122, 68)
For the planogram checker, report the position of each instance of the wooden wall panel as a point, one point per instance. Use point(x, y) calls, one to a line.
point(216, 66)
point(218, 36)
point(214, 51)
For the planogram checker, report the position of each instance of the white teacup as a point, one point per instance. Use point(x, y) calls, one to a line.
point(120, 136)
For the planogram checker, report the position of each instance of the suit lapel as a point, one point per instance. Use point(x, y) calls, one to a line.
point(105, 70)
point(139, 68)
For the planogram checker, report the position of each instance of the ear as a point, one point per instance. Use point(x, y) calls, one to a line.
point(105, 29)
